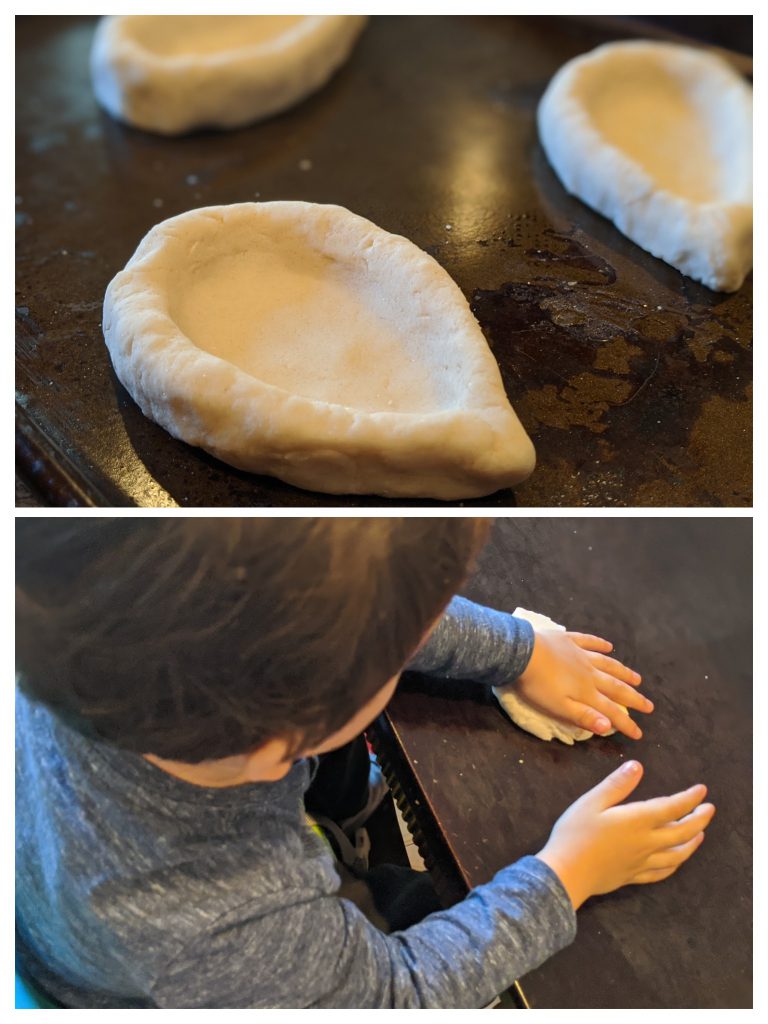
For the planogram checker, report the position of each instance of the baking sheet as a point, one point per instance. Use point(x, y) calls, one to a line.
point(633, 381)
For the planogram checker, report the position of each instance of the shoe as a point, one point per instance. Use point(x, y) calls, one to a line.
point(377, 790)
point(354, 852)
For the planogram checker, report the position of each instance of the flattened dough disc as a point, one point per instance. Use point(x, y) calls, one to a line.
point(303, 341)
point(524, 714)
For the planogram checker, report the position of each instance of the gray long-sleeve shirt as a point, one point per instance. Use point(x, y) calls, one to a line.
point(136, 889)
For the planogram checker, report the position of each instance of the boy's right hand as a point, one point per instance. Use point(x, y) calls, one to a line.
point(597, 846)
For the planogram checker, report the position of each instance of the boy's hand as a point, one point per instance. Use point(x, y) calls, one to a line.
point(596, 846)
point(571, 677)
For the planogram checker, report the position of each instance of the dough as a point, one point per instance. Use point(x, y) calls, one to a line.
point(658, 138)
point(303, 341)
point(524, 714)
point(172, 74)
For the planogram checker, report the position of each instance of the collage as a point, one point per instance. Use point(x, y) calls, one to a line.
point(383, 511)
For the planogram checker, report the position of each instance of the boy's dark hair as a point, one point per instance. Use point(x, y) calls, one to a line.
point(199, 638)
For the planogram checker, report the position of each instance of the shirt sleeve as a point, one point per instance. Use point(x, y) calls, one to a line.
point(474, 642)
point(323, 952)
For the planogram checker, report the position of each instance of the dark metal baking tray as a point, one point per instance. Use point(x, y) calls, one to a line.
point(632, 380)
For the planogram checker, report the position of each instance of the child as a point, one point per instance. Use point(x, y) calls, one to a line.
point(183, 684)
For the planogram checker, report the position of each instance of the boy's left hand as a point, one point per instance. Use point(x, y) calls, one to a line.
point(571, 677)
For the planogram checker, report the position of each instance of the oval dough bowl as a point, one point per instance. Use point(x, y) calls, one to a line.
point(303, 341)
point(658, 138)
point(175, 73)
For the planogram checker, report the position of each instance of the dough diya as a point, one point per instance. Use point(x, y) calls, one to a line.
point(658, 138)
point(302, 341)
point(174, 73)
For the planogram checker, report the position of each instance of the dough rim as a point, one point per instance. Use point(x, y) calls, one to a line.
point(181, 63)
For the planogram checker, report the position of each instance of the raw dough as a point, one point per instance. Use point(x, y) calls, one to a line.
point(172, 74)
point(303, 341)
point(524, 714)
point(658, 138)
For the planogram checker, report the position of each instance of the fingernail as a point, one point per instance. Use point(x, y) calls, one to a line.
point(631, 767)
point(601, 724)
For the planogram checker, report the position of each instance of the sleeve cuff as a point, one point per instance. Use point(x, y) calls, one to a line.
point(558, 917)
point(474, 642)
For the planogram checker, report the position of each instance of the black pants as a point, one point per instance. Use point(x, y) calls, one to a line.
point(338, 791)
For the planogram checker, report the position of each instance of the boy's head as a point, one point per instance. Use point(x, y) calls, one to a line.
point(199, 639)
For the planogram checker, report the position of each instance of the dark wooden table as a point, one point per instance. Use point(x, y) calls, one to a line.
point(674, 595)
point(633, 381)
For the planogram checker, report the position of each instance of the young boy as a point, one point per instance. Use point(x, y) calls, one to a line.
point(183, 684)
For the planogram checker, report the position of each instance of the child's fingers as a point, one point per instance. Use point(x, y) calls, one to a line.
point(614, 668)
point(653, 875)
point(674, 856)
point(591, 643)
point(623, 694)
point(664, 809)
point(684, 829)
point(601, 716)
point(588, 717)
point(617, 716)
